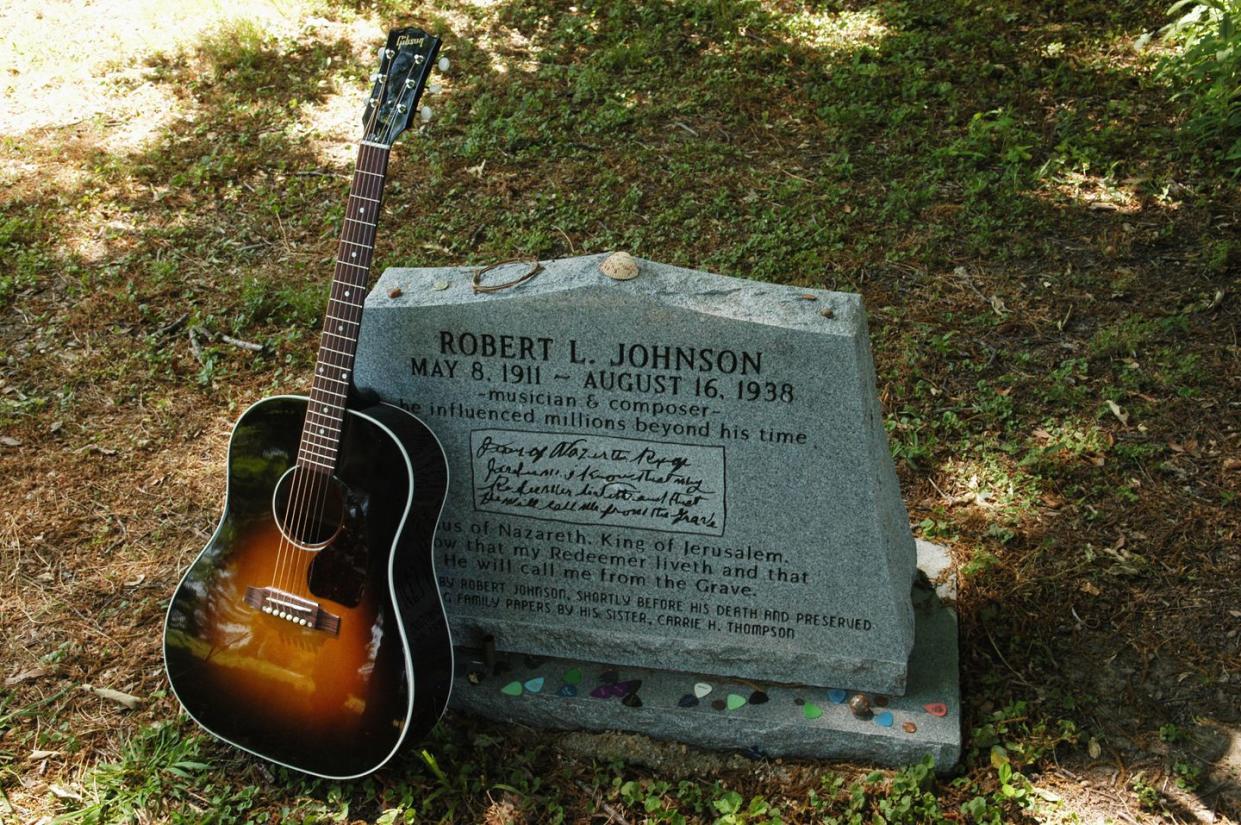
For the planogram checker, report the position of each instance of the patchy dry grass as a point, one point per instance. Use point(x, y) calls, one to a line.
point(1051, 273)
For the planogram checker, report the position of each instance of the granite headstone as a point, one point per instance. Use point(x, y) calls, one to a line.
point(677, 474)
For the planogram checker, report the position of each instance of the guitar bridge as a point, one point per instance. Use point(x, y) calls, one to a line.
point(293, 609)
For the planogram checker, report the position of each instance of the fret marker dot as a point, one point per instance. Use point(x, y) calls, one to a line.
point(361, 210)
point(340, 327)
point(352, 255)
point(325, 409)
point(347, 291)
point(344, 374)
point(321, 370)
point(322, 431)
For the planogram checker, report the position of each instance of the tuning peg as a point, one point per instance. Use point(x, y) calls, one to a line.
point(443, 64)
point(424, 114)
point(434, 89)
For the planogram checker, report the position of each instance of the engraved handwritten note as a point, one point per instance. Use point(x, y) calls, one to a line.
point(594, 479)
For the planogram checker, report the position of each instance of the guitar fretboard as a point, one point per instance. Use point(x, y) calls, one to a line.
point(339, 340)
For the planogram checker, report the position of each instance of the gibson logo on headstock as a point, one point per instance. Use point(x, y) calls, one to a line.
point(410, 40)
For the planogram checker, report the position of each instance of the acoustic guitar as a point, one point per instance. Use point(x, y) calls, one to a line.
point(310, 630)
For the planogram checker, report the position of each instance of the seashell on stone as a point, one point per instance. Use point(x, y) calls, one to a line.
point(619, 266)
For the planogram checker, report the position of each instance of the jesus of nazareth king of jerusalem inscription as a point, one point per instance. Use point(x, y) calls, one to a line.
point(678, 471)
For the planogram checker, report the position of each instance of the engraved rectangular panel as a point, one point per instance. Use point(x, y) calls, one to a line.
point(599, 480)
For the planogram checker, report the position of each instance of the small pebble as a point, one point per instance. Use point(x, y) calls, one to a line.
point(440, 286)
point(395, 292)
point(827, 312)
point(910, 727)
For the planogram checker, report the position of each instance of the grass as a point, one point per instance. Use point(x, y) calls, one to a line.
point(1008, 185)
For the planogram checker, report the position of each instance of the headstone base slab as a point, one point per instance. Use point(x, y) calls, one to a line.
point(761, 720)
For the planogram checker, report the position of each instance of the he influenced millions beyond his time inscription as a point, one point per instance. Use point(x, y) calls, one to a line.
point(681, 470)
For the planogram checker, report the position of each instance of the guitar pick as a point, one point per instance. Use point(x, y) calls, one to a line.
point(512, 689)
point(689, 700)
point(936, 709)
point(534, 685)
point(811, 711)
point(735, 701)
point(718, 704)
point(758, 697)
point(567, 690)
point(701, 689)
point(632, 701)
point(884, 719)
point(573, 676)
point(616, 689)
point(837, 696)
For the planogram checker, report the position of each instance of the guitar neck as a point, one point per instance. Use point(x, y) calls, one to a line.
point(338, 342)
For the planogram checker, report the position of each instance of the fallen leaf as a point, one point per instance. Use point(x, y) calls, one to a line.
point(64, 793)
point(1119, 412)
point(10, 441)
point(1090, 588)
point(1094, 749)
point(128, 700)
point(1232, 464)
point(43, 754)
point(18, 678)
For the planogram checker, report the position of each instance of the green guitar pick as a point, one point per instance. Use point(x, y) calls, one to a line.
point(735, 701)
point(512, 689)
point(573, 676)
point(811, 710)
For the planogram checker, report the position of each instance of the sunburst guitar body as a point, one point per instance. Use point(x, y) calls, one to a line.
point(353, 655)
point(310, 630)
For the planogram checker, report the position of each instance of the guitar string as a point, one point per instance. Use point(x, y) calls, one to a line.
point(371, 161)
point(288, 555)
point(307, 482)
point(311, 504)
point(315, 484)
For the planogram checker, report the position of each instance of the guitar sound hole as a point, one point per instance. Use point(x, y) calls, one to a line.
point(309, 507)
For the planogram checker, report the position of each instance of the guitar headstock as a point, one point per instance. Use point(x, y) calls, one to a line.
point(404, 66)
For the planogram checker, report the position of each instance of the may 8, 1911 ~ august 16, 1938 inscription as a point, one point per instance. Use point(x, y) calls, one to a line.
point(679, 471)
